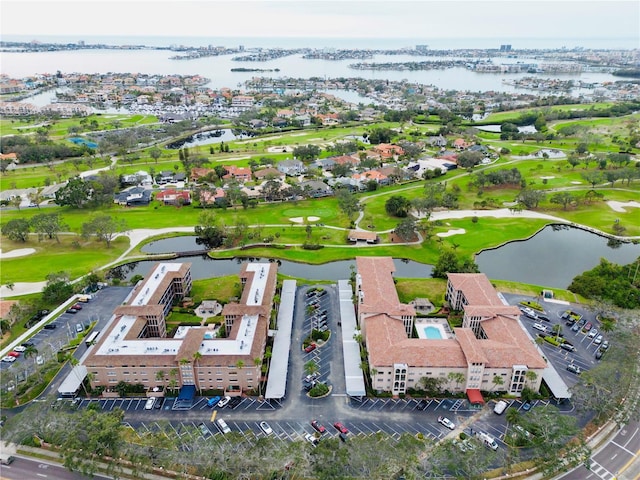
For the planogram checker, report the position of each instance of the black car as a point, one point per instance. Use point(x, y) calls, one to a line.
point(72, 310)
point(28, 344)
point(50, 326)
point(159, 403)
point(543, 318)
point(422, 404)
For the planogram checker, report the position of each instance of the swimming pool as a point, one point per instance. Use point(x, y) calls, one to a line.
point(433, 331)
point(209, 336)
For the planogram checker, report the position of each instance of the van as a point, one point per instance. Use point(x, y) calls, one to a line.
point(500, 407)
point(224, 428)
point(568, 347)
point(488, 441)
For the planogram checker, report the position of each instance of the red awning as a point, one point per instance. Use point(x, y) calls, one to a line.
point(475, 396)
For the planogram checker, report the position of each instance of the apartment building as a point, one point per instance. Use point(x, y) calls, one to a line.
point(135, 347)
point(490, 352)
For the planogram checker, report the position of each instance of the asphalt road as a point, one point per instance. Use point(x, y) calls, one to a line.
point(24, 468)
point(614, 459)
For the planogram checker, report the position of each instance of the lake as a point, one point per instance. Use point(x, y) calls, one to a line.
point(552, 258)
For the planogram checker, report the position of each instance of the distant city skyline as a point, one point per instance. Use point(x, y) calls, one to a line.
point(420, 19)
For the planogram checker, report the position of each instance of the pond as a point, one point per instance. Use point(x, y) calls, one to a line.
point(205, 267)
point(552, 257)
point(207, 138)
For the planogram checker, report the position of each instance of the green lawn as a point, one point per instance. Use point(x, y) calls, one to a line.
point(77, 260)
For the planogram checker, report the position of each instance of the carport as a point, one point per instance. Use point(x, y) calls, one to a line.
point(556, 385)
point(70, 386)
point(353, 375)
point(279, 368)
point(185, 398)
point(475, 396)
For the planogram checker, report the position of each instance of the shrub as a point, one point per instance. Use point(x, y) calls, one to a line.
point(319, 390)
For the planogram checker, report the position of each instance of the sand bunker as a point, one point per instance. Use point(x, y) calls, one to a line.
point(313, 219)
point(576, 183)
point(620, 206)
point(455, 231)
point(20, 252)
point(296, 219)
point(547, 178)
point(280, 149)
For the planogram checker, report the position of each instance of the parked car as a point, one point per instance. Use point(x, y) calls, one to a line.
point(224, 428)
point(77, 306)
point(9, 359)
point(79, 328)
point(223, 403)
point(310, 348)
point(311, 439)
point(340, 427)
point(605, 345)
point(266, 428)
point(574, 369)
point(522, 431)
point(598, 340)
point(599, 354)
point(28, 344)
point(19, 348)
point(318, 427)
point(72, 310)
point(204, 429)
point(447, 423)
point(50, 326)
point(539, 326)
point(40, 360)
point(593, 333)
point(159, 403)
point(526, 406)
point(213, 401)
point(543, 318)
point(150, 402)
point(422, 404)
point(568, 347)
point(587, 326)
point(576, 327)
point(14, 354)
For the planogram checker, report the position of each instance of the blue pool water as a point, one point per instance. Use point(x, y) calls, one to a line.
point(209, 336)
point(432, 333)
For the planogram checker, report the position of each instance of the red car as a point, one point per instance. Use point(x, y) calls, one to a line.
point(341, 428)
point(317, 427)
point(77, 306)
point(587, 327)
point(310, 348)
point(14, 354)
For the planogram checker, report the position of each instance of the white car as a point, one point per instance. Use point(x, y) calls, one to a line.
point(19, 348)
point(598, 340)
point(9, 359)
point(223, 403)
point(539, 326)
point(149, 404)
point(224, 428)
point(592, 333)
point(447, 423)
point(266, 428)
point(529, 312)
point(311, 439)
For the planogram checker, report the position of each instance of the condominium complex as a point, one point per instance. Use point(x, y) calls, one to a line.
point(490, 352)
point(135, 347)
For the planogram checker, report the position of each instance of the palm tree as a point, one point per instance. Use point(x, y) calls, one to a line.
point(160, 376)
point(173, 379)
point(258, 364)
point(32, 352)
point(497, 381)
point(531, 376)
point(310, 367)
point(196, 359)
point(457, 378)
point(513, 415)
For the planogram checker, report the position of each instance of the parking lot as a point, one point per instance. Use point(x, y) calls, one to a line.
point(584, 356)
point(59, 332)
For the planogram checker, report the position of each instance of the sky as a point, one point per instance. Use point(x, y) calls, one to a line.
point(325, 18)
